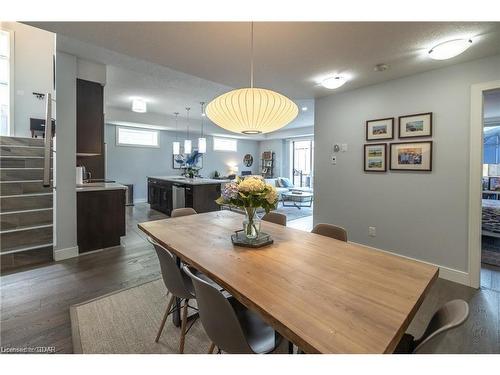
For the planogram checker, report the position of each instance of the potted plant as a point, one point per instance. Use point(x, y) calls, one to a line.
point(250, 194)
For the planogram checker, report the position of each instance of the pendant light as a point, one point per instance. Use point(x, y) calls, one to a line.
point(251, 110)
point(176, 146)
point(202, 141)
point(187, 141)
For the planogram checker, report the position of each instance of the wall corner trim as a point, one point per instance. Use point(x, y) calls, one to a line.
point(69, 252)
point(446, 273)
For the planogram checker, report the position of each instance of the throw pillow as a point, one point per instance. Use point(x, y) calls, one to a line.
point(285, 182)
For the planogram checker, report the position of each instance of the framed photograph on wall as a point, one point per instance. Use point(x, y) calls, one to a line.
point(379, 129)
point(406, 156)
point(413, 126)
point(375, 157)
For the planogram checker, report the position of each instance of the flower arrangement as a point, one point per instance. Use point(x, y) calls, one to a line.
point(250, 194)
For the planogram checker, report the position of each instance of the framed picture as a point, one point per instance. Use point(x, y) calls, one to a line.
point(416, 156)
point(180, 161)
point(382, 128)
point(375, 157)
point(413, 126)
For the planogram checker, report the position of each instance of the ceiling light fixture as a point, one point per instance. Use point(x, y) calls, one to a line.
point(187, 141)
point(176, 145)
point(252, 110)
point(333, 82)
point(202, 141)
point(139, 105)
point(449, 49)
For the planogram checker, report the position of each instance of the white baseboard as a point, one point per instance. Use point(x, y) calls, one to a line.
point(140, 200)
point(69, 252)
point(446, 273)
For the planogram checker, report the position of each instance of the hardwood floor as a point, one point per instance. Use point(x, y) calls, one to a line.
point(35, 302)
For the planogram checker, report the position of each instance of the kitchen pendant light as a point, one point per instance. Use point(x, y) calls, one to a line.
point(202, 141)
point(176, 146)
point(252, 110)
point(187, 141)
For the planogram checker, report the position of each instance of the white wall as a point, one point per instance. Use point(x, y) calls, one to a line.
point(420, 215)
point(280, 154)
point(33, 72)
point(65, 237)
point(132, 165)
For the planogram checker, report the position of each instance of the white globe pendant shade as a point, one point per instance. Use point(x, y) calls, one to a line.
point(251, 111)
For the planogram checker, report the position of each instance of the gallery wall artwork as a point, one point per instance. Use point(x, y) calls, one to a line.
point(380, 129)
point(416, 156)
point(403, 156)
point(375, 157)
point(414, 126)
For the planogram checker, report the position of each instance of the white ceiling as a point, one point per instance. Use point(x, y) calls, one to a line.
point(290, 57)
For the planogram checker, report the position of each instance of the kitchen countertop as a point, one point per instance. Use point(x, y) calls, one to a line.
point(190, 181)
point(97, 186)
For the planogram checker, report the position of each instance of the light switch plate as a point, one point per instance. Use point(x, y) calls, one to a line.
point(343, 147)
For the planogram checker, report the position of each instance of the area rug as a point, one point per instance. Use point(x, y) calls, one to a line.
point(127, 321)
point(292, 213)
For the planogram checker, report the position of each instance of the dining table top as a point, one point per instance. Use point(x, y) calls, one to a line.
point(324, 295)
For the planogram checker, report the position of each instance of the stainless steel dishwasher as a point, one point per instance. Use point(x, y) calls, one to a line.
point(178, 196)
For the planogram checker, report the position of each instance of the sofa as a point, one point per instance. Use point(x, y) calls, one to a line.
point(283, 185)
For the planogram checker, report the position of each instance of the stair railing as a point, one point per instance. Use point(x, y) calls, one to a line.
point(48, 140)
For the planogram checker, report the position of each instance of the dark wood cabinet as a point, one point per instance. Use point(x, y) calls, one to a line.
point(100, 219)
point(90, 127)
point(200, 197)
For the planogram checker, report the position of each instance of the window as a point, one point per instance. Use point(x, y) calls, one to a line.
point(5, 84)
point(302, 161)
point(137, 137)
point(225, 144)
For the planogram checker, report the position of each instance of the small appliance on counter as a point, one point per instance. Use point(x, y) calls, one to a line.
point(82, 175)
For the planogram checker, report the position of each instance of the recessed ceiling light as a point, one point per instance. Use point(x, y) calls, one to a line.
point(333, 82)
point(139, 105)
point(449, 49)
point(304, 109)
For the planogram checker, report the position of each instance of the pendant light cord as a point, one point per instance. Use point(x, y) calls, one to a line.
point(251, 55)
point(202, 112)
point(176, 126)
point(187, 133)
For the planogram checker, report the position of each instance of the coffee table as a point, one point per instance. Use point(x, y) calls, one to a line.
point(297, 199)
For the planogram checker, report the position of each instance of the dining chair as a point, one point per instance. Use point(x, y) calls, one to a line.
point(231, 327)
point(178, 212)
point(450, 315)
point(275, 217)
point(330, 230)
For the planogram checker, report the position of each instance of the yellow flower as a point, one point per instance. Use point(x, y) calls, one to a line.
point(251, 185)
point(272, 194)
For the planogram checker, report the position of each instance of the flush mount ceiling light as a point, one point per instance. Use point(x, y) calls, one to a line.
point(333, 82)
point(251, 110)
point(449, 49)
point(139, 105)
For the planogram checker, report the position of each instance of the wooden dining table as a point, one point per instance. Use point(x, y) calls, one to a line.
point(324, 295)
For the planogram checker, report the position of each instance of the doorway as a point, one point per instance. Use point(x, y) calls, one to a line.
point(484, 182)
point(490, 200)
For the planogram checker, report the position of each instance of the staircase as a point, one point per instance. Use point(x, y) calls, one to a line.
point(26, 214)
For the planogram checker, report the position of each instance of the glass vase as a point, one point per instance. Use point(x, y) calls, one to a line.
point(251, 223)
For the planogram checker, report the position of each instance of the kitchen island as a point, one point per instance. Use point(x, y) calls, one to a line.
point(166, 193)
point(100, 215)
